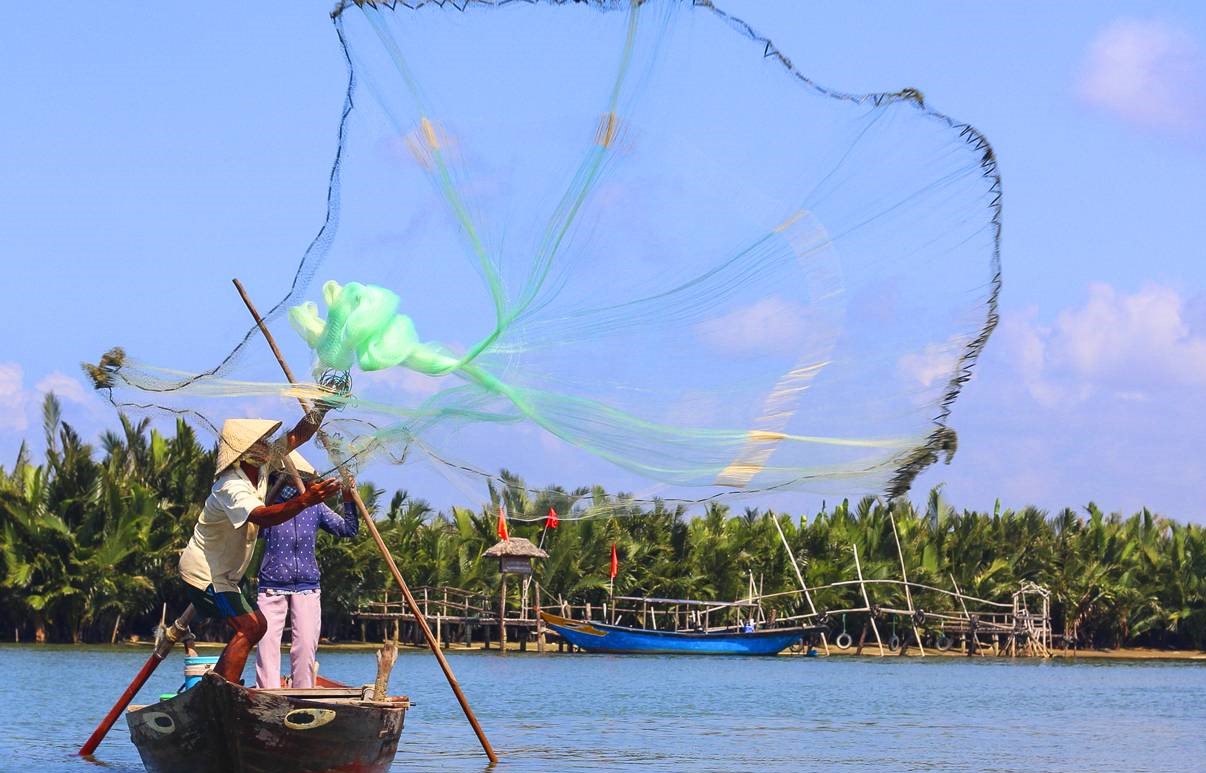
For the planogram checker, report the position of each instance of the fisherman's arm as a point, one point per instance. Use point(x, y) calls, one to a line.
point(305, 429)
point(273, 515)
point(348, 525)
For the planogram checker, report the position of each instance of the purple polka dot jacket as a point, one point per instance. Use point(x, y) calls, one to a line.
point(288, 563)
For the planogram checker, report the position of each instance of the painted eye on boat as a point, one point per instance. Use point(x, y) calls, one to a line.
point(160, 722)
point(308, 719)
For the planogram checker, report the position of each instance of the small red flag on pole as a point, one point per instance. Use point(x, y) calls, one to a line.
point(551, 521)
point(502, 523)
point(615, 562)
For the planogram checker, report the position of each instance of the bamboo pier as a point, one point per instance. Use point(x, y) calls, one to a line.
point(965, 624)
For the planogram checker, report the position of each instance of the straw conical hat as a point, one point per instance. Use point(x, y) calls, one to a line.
point(299, 461)
point(239, 435)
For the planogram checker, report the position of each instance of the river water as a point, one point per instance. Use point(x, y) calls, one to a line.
point(595, 713)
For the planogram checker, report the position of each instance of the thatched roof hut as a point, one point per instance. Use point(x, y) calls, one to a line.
point(517, 547)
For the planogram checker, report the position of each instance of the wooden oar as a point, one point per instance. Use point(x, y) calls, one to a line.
point(177, 631)
point(372, 528)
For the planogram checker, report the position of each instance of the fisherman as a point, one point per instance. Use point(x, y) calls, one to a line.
point(290, 580)
point(219, 552)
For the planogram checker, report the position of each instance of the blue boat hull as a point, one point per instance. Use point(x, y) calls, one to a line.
point(600, 637)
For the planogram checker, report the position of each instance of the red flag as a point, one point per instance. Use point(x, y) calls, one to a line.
point(615, 562)
point(502, 523)
point(551, 521)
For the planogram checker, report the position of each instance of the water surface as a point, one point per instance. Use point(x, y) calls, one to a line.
point(596, 713)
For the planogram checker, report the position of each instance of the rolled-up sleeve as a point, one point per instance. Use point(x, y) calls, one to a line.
point(237, 498)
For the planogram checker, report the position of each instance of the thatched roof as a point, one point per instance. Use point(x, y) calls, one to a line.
point(516, 546)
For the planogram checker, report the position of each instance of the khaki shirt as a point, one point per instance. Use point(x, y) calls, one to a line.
point(223, 539)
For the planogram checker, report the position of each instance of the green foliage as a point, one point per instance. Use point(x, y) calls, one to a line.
point(83, 542)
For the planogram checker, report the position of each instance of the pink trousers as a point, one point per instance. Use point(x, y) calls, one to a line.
point(305, 612)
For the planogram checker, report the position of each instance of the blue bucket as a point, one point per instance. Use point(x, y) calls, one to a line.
point(196, 667)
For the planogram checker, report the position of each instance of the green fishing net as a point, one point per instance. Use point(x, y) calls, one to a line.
point(636, 231)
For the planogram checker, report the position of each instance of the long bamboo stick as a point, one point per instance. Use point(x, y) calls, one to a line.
point(432, 644)
point(799, 576)
point(905, 576)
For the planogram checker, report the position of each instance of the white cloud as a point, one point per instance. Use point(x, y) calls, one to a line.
point(933, 364)
point(770, 325)
point(1129, 345)
point(1098, 401)
point(1148, 72)
point(12, 397)
point(405, 379)
point(65, 388)
point(17, 401)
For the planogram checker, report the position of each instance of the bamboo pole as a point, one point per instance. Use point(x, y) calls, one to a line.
point(381, 547)
point(862, 586)
point(905, 575)
point(800, 577)
point(959, 595)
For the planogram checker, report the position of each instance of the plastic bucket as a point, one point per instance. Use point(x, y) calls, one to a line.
point(196, 667)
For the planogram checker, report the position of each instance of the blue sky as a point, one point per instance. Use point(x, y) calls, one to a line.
point(152, 151)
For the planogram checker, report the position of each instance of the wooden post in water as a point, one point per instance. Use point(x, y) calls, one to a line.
point(862, 638)
point(502, 614)
point(539, 622)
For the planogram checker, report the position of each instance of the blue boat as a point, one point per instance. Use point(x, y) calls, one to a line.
point(601, 637)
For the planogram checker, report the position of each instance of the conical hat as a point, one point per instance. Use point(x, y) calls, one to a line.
point(299, 461)
point(239, 435)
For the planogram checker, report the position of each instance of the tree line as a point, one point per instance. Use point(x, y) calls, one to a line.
point(89, 540)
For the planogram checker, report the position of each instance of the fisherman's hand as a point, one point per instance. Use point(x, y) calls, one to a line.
point(319, 412)
point(349, 488)
point(319, 491)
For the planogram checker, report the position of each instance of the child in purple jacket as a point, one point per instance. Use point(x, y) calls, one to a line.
point(289, 584)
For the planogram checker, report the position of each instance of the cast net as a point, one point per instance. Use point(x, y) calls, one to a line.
point(627, 232)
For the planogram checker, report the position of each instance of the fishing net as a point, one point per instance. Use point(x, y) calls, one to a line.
point(626, 230)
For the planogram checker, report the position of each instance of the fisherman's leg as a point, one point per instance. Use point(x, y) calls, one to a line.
point(249, 626)
point(249, 629)
point(306, 612)
point(268, 651)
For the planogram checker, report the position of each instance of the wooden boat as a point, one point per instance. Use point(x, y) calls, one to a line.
point(220, 727)
point(601, 637)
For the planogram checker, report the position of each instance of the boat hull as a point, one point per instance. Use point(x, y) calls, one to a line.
point(219, 727)
point(600, 637)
